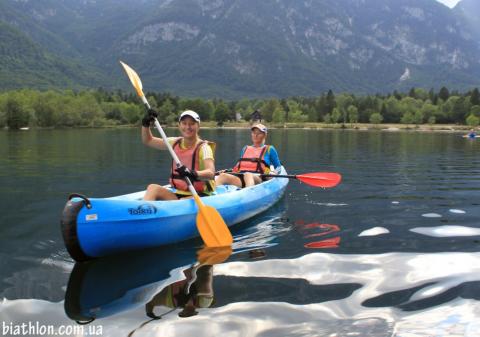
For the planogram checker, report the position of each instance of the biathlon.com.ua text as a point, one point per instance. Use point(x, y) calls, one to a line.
point(38, 329)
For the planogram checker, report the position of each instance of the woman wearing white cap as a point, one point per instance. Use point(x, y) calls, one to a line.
point(195, 154)
point(255, 158)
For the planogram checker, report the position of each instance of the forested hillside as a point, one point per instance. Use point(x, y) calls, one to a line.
point(234, 49)
point(98, 108)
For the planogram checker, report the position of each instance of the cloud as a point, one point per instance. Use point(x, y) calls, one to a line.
point(449, 3)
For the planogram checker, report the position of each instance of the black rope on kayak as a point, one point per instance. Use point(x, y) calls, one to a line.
point(81, 196)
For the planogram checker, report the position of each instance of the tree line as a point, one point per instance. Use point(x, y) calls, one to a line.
point(99, 108)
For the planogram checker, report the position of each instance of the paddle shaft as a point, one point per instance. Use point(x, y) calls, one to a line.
point(169, 147)
point(290, 176)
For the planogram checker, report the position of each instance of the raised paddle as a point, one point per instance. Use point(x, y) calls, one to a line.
point(211, 226)
point(317, 179)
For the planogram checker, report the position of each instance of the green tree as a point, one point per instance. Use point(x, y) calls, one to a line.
point(112, 111)
point(196, 104)
point(459, 110)
point(418, 117)
point(16, 115)
point(327, 118)
point(320, 108)
point(412, 93)
point(294, 112)
point(330, 102)
point(45, 112)
point(420, 94)
point(268, 107)
point(407, 118)
point(335, 115)
point(432, 96)
point(352, 114)
point(473, 120)
point(244, 108)
point(222, 113)
point(376, 118)
point(475, 110)
point(343, 102)
point(429, 112)
point(475, 97)
point(167, 108)
point(443, 94)
point(131, 113)
point(278, 115)
point(393, 110)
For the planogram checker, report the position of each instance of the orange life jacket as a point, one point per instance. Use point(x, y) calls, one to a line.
point(253, 160)
point(189, 158)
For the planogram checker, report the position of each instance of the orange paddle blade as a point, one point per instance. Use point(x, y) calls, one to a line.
point(211, 226)
point(320, 179)
point(213, 255)
point(134, 78)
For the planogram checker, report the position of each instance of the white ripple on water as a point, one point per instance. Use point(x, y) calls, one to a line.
point(457, 211)
point(329, 204)
point(447, 231)
point(260, 236)
point(374, 231)
point(431, 215)
point(65, 266)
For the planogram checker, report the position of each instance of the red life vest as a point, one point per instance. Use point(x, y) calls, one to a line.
point(253, 160)
point(190, 158)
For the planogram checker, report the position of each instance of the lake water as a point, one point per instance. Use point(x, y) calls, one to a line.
point(394, 250)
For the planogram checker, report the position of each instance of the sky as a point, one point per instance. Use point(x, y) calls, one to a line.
point(449, 3)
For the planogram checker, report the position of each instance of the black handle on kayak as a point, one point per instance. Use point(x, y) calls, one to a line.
point(81, 196)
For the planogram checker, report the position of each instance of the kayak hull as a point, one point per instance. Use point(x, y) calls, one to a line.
point(95, 227)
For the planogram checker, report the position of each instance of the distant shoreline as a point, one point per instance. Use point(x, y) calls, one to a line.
point(453, 128)
point(348, 126)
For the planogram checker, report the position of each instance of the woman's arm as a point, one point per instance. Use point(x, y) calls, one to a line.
point(208, 173)
point(151, 141)
point(274, 160)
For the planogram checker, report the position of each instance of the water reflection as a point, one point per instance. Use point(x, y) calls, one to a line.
point(162, 279)
point(315, 230)
point(318, 294)
point(153, 278)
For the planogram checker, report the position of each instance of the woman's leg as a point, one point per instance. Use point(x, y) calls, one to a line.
point(157, 192)
point(228, 179)
point(251, 179)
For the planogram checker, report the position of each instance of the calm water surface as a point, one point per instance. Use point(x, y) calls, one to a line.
point(392, 251)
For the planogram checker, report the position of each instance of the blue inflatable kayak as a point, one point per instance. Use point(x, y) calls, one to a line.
point(95, 227)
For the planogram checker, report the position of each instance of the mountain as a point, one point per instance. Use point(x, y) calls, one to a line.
point(467, 12)
point(26, 64)
point(238, 48)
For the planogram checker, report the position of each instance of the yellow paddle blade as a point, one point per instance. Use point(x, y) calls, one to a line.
point(213, 255)
point(211, 226)
point(134, 78)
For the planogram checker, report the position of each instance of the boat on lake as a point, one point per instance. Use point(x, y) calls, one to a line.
point(96, 227)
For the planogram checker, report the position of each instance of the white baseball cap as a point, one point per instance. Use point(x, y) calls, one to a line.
point(190, 113)
point(260, 127)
